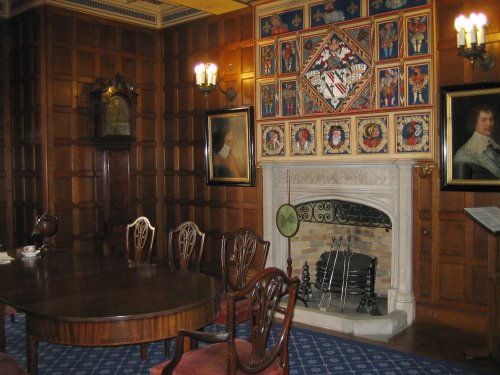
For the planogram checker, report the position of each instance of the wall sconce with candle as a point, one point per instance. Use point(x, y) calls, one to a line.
point(471, 40)
point(206, 80)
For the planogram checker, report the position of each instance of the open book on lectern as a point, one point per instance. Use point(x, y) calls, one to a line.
point(487, 217)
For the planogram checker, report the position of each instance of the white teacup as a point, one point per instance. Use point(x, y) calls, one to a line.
point(29, 249)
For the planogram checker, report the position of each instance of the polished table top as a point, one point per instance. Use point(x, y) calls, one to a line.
point(87, 299)
point(67, 285)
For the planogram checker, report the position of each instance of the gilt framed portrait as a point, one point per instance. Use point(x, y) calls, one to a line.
point(229, 147)
point(470, 137)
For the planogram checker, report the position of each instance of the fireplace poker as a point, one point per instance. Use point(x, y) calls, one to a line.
point(328, 293)
point(345, 276)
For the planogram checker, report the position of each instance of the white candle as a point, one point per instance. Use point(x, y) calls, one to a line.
point(199, 70)
point(459, 26)
point(473, 35)
point(481, 38)
point(481, 22)
point(461, 38)
point(468, 40)
point(212, 74)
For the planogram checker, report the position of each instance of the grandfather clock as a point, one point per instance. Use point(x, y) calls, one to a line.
point(114, 110)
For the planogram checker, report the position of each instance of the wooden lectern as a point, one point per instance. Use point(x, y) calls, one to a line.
point(489, 219)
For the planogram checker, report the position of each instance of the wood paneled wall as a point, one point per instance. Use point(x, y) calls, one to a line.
point(28, 127)
point(5, 141)
point(226, 41)
point(450, 251)
point(59, 57)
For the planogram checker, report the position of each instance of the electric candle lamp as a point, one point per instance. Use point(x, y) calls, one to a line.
point(199, 71)
point(468, 31)
point(471, 40)
point(459, 26)
point(206, 77)
point(473, 32)
point(481, 22)
point(212, 74)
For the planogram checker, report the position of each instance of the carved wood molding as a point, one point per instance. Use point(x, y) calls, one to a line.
point(425, 169)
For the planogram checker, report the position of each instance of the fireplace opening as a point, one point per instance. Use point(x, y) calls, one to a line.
point(331, 225)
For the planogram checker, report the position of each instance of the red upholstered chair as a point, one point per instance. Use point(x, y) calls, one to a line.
point(185, 246)
point(228, 355)
point(10, 366)
point(243, 254)
point(139, 239)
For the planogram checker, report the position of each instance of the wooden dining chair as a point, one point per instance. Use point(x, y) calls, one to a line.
point(139, 239)
point(10, 311)
point(228, 354)
point(243, 254)
point(185, 246)
point(10, 366)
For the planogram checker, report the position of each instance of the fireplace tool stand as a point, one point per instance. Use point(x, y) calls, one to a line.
point(344, 272)
point(327, 293)
point(305, 291)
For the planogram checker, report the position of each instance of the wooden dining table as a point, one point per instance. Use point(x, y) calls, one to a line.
point(94, 300)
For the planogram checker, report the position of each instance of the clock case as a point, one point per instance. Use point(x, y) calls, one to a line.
point(101, 99)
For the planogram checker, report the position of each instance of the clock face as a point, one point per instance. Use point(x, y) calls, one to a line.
point(117, 116)
point(287, 220)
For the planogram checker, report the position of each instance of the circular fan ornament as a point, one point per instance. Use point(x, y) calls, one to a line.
point(287, 220)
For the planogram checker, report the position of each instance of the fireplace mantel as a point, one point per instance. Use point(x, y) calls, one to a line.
point(384, 185)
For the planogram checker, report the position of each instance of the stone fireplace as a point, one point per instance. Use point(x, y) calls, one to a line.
point(384, 185)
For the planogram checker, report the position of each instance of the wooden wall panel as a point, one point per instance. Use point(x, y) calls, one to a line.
point(452, 235)
point(6, 239)
point(62, 61)
point(451, 282)
point(451, 264)
point(27, 123)
point(85, 64)
point(225, 40)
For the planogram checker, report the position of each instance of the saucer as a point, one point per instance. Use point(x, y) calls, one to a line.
point(5, 258)
point(30, 254)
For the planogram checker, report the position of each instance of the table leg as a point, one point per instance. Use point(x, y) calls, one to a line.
point(2, 328)
point(144, 352)
point(31, 346)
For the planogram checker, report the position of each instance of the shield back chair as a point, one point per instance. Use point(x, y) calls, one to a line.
point(139, 239)
point(243, 254)
point(9, 310)
point(10, 366)
point(230, 355)
point(185, 246)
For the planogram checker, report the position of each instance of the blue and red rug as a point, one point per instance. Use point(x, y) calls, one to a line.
point(311, 353)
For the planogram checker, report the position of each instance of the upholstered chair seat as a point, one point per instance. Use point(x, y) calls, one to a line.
point(10, 366)
point(224, 353)
point(213, 360)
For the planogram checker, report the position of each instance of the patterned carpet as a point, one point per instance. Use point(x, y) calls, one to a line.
point(310, 354)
